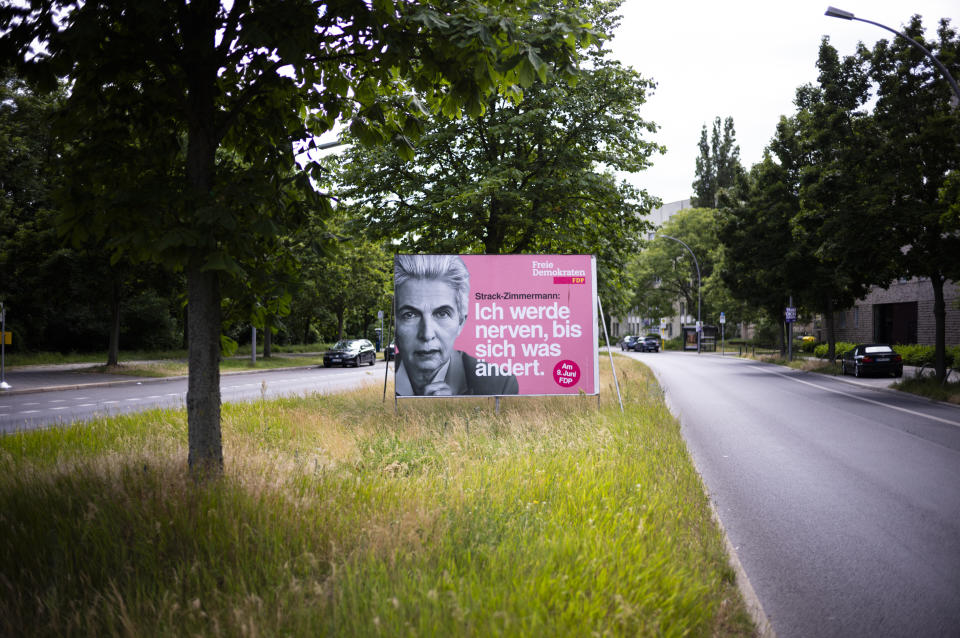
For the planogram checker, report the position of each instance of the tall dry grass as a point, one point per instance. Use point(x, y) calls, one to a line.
point(337, 516)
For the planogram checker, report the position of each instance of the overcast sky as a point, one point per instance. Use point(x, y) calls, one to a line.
point(739, 58)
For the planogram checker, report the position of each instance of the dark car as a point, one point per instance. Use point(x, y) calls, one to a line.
point(628, 342)
point(350, 352)
point(872, 358)
point(390, 352)
point(648, 344)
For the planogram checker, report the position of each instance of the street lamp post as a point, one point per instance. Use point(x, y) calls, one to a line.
point(697, 264)
point(833, 12)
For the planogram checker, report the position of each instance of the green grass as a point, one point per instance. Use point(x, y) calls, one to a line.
point(931, 388)
point(338, 517)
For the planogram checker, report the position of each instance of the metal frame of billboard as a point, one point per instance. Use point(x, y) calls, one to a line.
point(591, 337)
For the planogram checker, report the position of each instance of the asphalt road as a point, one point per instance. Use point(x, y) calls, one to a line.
point(87, 395)
point(841, 500)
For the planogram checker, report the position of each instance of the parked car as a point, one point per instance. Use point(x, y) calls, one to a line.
point(872, 358)
point(390, 352)
point(350, 352)
point(650, 343)
point(628, 342)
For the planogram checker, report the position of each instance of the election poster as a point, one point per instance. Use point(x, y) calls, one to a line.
point(495, 325)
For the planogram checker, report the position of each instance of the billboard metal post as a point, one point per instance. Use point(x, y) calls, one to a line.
point(386, 369)
point(603, 322)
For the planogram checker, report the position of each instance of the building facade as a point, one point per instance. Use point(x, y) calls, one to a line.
point(901, 313)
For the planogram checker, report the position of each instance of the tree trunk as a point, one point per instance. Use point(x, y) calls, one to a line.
point(940, 318)
point(828, 325)
point(113, 350)
point(267, 341)
point(203, 385)
point(340, 314)
point(186, 327)
point(306, 329)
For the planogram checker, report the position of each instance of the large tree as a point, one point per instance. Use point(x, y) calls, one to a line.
point(919, 150)
point(839, 225)
point(718, 166)
point(666, 271)
point(529, 177)
point(172, 83)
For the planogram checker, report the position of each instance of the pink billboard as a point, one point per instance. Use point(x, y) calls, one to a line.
point(494, 325)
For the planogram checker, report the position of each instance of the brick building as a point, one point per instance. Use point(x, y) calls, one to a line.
point(902, 313)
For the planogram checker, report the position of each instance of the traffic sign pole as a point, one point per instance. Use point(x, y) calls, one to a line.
point(723, 322)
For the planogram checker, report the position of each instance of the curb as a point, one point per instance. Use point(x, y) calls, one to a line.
point(750, 598)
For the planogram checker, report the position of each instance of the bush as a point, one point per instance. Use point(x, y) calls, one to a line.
point(914, 354)
point(673, 344)
point(799, 345)
point(841, 348)
point(917, 355)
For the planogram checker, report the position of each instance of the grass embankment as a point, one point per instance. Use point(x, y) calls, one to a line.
point(338, 517)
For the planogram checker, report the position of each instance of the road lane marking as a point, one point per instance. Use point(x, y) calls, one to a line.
point(864, 399)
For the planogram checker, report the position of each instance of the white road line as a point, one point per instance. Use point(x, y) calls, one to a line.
point(32, 403)
point(864, 399)
point(86, 405)
point(110, 402)
point(61, 408)
point(28, 411)
point(57, 401)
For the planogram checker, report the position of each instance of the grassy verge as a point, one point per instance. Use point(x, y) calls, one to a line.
point(931, 388)
point(338, 517)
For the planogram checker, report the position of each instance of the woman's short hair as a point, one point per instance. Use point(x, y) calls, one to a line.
point(449, 269)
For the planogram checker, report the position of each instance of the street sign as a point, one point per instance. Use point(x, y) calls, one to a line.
point(790, 314)
point(7, 338)
point(379, 314)
point(699, 326)
point(723, 318)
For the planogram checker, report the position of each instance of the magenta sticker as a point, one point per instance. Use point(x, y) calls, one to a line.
point(566, 373)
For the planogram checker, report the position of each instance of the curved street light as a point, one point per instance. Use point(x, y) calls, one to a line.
point(833, 12)
point(697, 264)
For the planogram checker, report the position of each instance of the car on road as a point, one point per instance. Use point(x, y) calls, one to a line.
point(350, 352)
point(871, 359)
point(628, 342)
point(650, 343)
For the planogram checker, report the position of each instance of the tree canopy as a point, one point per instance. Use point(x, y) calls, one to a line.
point(187, 114)
point(535, 176)
point(718, 165)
